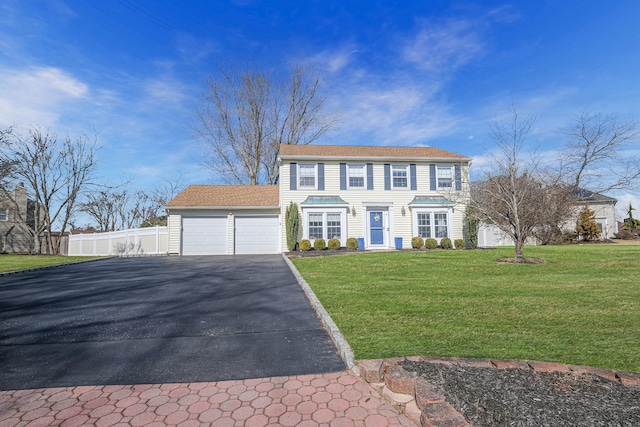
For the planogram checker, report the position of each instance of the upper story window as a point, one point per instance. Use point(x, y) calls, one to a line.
point(399, 176)
point(445, 176)
point(4, 214)
point(356, 176)
point(307, 175)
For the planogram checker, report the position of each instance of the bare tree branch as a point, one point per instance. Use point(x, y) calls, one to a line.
point(595, 157)
point(247, 113)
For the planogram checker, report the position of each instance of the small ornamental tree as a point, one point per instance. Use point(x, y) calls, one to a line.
point(471, 226)
point(292, 220)
point(631, 224)
point(586, 226)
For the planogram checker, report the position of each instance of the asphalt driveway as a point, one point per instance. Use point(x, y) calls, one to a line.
point(158, 320)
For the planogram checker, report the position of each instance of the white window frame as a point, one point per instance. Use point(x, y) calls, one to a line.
point(354, 166)
point(432, 225)
point(453, 176)
point(325, 212)
point(315, 176)
point(4, 214)
point(408, 177)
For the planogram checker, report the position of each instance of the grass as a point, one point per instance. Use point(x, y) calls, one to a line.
point(24, 262)
point(581, 307)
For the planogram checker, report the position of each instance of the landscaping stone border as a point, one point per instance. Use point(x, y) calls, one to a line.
point(420, 401)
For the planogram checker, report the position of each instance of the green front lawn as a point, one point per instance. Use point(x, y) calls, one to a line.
point(24, 262)
point(581, 307)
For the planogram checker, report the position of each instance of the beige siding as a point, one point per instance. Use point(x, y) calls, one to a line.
point(174, 224)
point(401, 226)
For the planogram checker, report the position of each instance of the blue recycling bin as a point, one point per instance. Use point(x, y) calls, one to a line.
point(361, 243)
point(398, 243)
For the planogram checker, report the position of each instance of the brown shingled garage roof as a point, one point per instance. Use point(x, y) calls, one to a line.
point(287, 150)
point(227, 196)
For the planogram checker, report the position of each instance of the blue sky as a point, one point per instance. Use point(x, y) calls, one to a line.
point(398, 73)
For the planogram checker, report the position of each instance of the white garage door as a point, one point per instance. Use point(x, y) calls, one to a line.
point(257, 235)
point(203, 235)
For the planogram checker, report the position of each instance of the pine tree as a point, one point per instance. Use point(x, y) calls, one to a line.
point(586, 226)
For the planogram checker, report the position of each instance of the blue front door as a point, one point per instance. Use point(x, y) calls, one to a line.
point(376, 227)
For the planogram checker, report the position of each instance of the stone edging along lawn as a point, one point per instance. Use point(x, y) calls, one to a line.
point(423, 404)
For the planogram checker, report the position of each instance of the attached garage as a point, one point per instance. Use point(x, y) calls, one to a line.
point(204, 235)
point(224, 219)
point(257, 235)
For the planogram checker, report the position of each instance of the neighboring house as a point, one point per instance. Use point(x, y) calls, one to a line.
point(15, 209)
point(374, 193)
point(604, 206)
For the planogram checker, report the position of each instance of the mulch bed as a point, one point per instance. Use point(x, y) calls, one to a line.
point(517, 397)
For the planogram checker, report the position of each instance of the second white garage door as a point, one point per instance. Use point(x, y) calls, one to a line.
point(257, 235)
point(204, 235)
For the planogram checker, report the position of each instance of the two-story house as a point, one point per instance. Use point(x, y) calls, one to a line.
point(375, 193)
point(16, 212)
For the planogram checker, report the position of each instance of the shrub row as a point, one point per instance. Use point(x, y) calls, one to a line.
point(320, 244)
point(430, 243)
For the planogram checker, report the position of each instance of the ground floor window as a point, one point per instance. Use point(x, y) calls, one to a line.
point(432, 224)
point(325, 224)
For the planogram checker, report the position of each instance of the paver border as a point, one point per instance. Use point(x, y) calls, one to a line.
point(424, 404)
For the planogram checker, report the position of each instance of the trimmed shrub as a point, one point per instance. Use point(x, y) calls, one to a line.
point(352, 244)
point(333, 244)
point(292, 220)
point(319, 244)
point(445, 243)
point(459, 243)
point(431, 243)
point(417, 242)
point(305, 245)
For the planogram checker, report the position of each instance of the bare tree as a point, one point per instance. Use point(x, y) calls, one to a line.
point(515, 194)
point(595, 155)
point(55, 173)
point(105, 208)
point(113, 209)
point(247, 113)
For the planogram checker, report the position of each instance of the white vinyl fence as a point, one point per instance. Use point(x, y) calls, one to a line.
point(132, 242)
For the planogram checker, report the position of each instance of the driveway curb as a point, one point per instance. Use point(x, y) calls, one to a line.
point(336, 336)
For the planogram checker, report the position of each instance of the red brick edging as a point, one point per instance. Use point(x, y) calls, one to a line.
point(423, 403)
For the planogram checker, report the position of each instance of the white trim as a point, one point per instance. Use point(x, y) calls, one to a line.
point(315, 177)
point(453, 176)
point(408, 176)
point(433, 210)
point(387, 213)
point(6, 214)
point(363, 166)
point(324, 211)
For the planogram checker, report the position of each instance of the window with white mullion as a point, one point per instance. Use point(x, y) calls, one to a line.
point(307, 176)
point(334, 226)
point(432, 224)
point(316, 227)
point(424, 225)
point(4, 214)
point(445, 176)
point(399, 176)
point(356, 176)
point(440, 225)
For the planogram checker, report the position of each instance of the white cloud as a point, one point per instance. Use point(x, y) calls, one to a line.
point(441, 49)
point(37, 95)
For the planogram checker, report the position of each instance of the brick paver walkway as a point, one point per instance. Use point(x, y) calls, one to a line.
point(336, 399)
